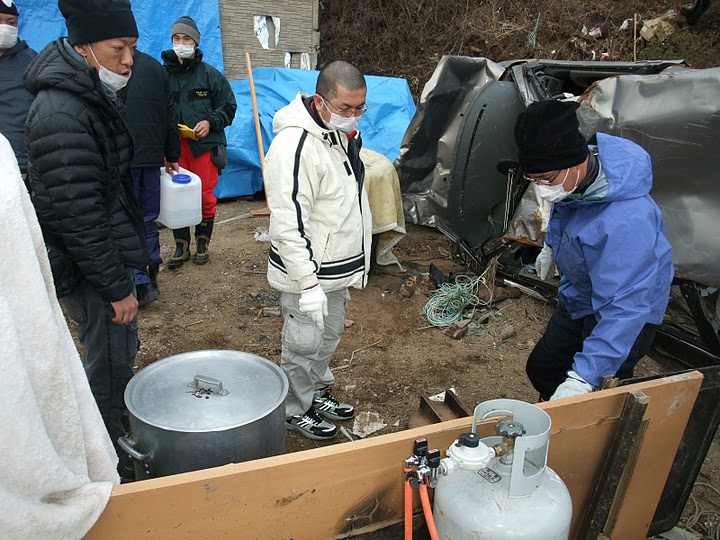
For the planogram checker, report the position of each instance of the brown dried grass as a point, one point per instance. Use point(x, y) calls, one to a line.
point(407, 38)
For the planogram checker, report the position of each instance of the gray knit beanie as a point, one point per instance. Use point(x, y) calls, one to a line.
point(185, 25)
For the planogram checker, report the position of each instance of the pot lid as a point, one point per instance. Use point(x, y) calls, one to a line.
point(206, 391)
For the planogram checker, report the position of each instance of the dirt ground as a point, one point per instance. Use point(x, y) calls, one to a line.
point(388, 356)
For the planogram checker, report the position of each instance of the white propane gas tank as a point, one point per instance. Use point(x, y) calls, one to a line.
point(480, 495)
point(180, 199)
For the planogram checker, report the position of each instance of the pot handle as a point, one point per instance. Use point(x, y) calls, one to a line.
point(202, 381)
point(128, 445)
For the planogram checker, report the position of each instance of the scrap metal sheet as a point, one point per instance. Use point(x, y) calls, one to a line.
point(675, 117)
point(426, 151)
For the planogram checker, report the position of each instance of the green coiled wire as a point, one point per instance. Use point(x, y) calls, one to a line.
point(449, 300)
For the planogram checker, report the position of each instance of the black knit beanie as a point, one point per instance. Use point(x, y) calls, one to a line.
point(8, 7)
point(548, 137)
point(185, 25)
point(89, 21)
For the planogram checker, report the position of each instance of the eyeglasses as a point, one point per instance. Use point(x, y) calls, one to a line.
point(347, 113)
point(543, 180)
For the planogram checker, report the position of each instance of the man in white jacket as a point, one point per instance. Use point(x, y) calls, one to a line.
point(320, 225)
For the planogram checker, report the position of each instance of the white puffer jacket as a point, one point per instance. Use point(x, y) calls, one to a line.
point(320, 221)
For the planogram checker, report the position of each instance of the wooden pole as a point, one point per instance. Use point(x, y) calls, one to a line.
point(634, 37)
point(261, 150)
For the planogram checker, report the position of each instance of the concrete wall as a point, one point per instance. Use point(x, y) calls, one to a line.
point(299, 33)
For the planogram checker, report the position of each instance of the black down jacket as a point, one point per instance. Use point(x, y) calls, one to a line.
point(14, 99)
point(151, 117)
point(79, 154)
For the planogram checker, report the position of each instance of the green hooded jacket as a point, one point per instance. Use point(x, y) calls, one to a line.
point(200, 92)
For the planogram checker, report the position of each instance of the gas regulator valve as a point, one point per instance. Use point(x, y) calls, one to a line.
point(467, 452)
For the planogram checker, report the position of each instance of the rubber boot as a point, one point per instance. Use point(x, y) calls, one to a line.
point(153, 271)
point(149, 292)
point(182, 248)
point(146, 294)
point(203, 232)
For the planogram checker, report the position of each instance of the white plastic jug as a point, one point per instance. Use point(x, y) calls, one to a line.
point(180, 199)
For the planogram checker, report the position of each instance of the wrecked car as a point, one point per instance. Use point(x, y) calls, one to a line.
point(458, 161)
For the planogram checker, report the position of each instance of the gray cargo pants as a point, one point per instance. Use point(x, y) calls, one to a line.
point(307, 350)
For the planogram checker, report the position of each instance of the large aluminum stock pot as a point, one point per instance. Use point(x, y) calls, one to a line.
point(204, 409)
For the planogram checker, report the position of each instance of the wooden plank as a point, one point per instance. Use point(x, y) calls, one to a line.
point(332, 491)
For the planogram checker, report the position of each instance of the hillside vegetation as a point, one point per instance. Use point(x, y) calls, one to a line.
point(406, 38)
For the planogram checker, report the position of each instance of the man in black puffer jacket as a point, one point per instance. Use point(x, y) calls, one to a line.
point(153, 123)
point(79, 153)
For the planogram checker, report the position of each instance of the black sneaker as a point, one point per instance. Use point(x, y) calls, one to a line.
point(311, 425)
point(326, 404)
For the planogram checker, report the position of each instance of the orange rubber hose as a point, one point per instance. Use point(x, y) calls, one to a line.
point(408, 506)
point(425, 499)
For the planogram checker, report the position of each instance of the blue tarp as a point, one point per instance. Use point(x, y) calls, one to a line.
point(390, 109)
point(41, 22)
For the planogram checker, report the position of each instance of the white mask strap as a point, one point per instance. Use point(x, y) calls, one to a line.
point(93, 53)
point(567, 171)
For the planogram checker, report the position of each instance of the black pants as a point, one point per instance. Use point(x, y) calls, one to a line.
point(553, 355)
point(110, 351)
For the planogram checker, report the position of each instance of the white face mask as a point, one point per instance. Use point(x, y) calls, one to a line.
point(346, 125)
point(8, 36)
point(556, 192)
point(114, 81)
point(184, 51)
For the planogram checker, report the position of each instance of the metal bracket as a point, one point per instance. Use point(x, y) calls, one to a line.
point(617, 469)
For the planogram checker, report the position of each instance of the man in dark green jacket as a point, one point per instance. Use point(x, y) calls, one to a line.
point(207, 106)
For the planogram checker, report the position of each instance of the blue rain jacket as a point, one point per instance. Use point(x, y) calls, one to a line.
point(609, 244)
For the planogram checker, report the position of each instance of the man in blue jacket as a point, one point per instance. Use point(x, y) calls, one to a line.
point(15, 100)
point(607, 238)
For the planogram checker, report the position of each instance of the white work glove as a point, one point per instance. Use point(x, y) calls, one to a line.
point(574, 385)
point(314, 302)
point(545, 263)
